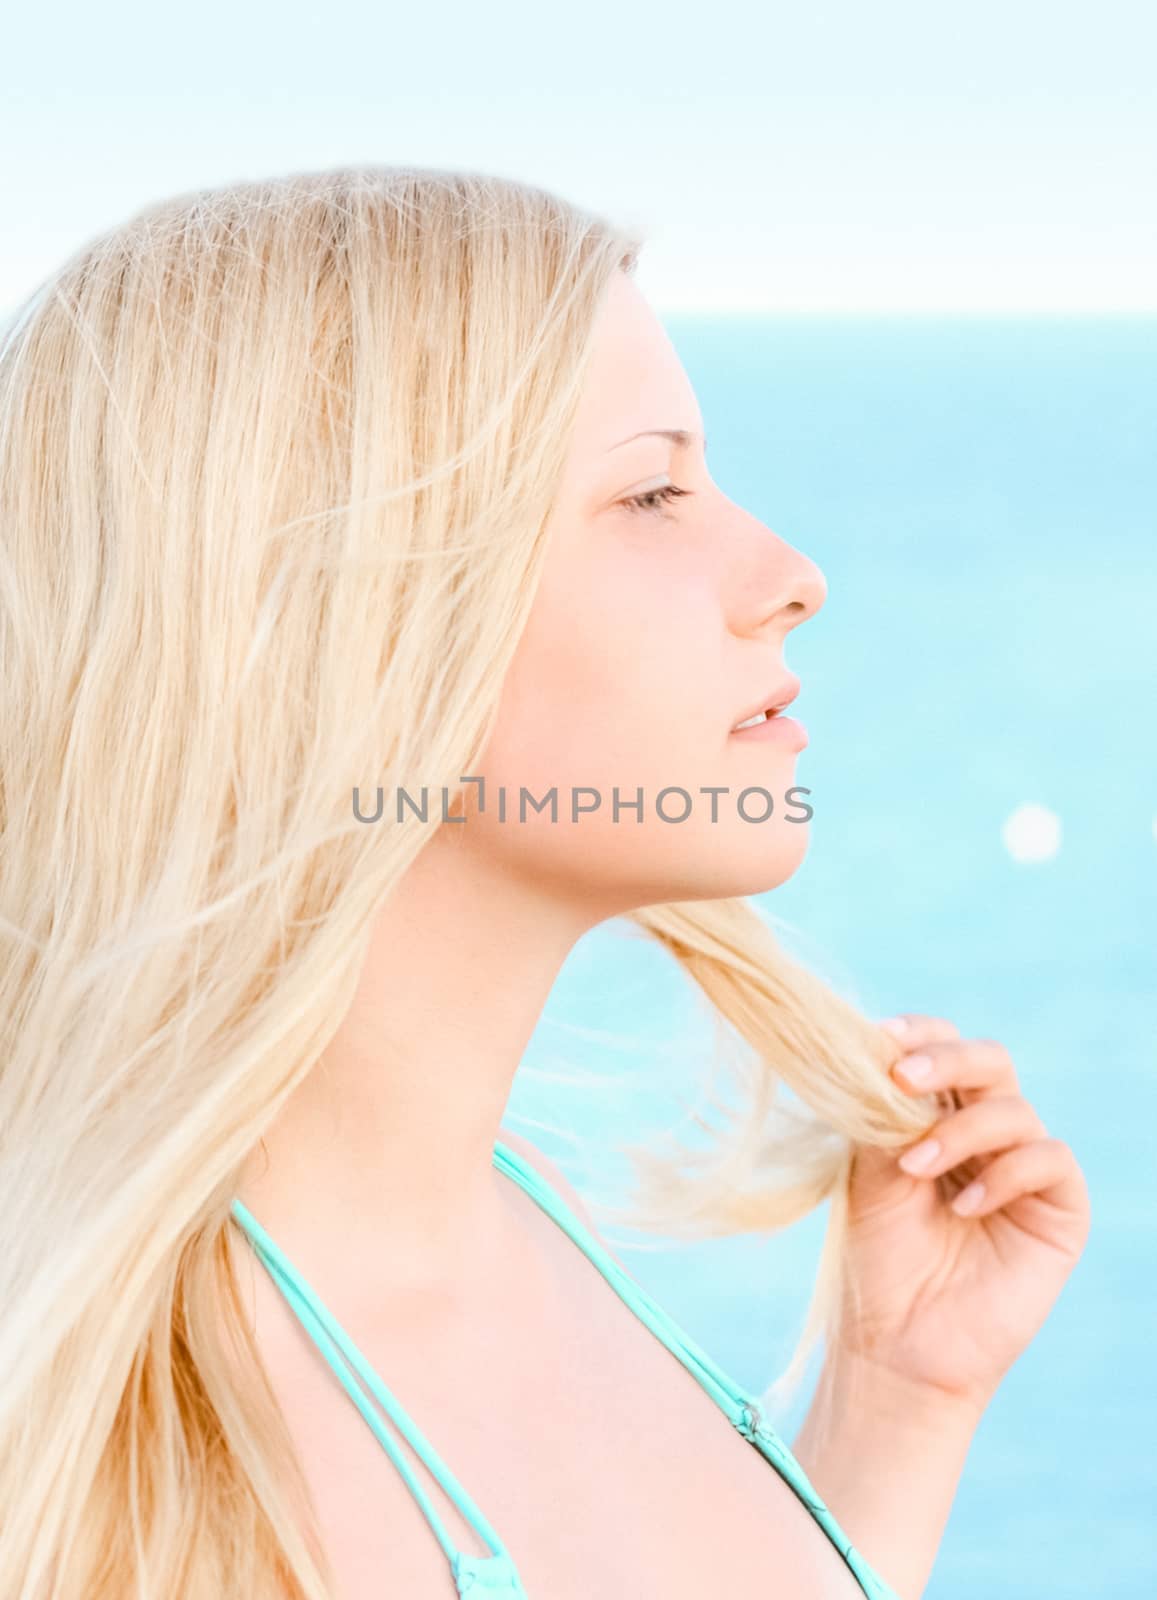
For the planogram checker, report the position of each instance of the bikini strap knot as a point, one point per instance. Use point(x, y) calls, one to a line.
point(749, 1420)
point(482, 1575)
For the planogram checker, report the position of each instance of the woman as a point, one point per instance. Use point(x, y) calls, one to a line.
point(387, 486)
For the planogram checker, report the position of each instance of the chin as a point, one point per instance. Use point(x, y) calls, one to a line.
point(726, 866)
point(766, 863)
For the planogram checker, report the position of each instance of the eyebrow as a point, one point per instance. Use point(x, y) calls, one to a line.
point(678, 436)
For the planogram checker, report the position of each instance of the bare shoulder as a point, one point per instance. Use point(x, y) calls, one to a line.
point(558, 1181)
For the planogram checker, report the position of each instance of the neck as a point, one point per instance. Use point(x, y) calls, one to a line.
point(386, 1147)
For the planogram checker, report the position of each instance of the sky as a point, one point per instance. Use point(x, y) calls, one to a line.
point(898, 156)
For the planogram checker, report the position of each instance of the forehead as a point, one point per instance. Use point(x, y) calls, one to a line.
point(635, 380)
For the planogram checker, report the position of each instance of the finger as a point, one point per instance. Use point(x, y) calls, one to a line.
point(980, 1065)
point(914, 1031)
point(997, 1123)
point(1044, 1167)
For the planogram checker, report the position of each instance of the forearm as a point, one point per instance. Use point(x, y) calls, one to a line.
point(887, 1466)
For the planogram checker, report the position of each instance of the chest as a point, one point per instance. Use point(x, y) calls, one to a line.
point(595, 1455)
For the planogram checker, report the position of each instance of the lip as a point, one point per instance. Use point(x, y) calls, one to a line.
point(775, 730)
point(776, 699)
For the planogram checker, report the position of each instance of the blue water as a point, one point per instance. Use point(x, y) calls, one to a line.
point(982, 497)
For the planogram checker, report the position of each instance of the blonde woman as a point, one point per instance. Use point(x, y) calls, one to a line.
point(336, 509)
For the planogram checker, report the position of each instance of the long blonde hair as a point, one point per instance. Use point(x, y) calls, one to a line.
point(275, 465)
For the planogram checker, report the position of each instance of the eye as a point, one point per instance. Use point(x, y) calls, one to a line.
point(654, 499)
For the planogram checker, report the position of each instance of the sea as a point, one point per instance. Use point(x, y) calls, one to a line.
point(980, 692)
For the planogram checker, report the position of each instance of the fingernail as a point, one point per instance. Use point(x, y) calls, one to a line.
point(968, 1199)
point(920, 1156)
point(917, 1069)
point(897, 1026)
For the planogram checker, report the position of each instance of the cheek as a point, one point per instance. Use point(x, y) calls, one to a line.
point(617, 679)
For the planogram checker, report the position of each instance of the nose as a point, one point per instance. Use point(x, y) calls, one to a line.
point(779, 588)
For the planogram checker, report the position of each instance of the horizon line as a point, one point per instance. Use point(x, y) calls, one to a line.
point(687, 308)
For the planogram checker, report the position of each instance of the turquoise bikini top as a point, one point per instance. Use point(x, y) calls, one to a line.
point(479, 1575)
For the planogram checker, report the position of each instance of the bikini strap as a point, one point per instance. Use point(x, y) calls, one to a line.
point(723, 1389)
point(334, 1343)
point(739, 1406)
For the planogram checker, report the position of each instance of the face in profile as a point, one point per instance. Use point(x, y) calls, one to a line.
point(658, 627)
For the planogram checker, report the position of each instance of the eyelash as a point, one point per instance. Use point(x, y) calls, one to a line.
point(667, 492)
